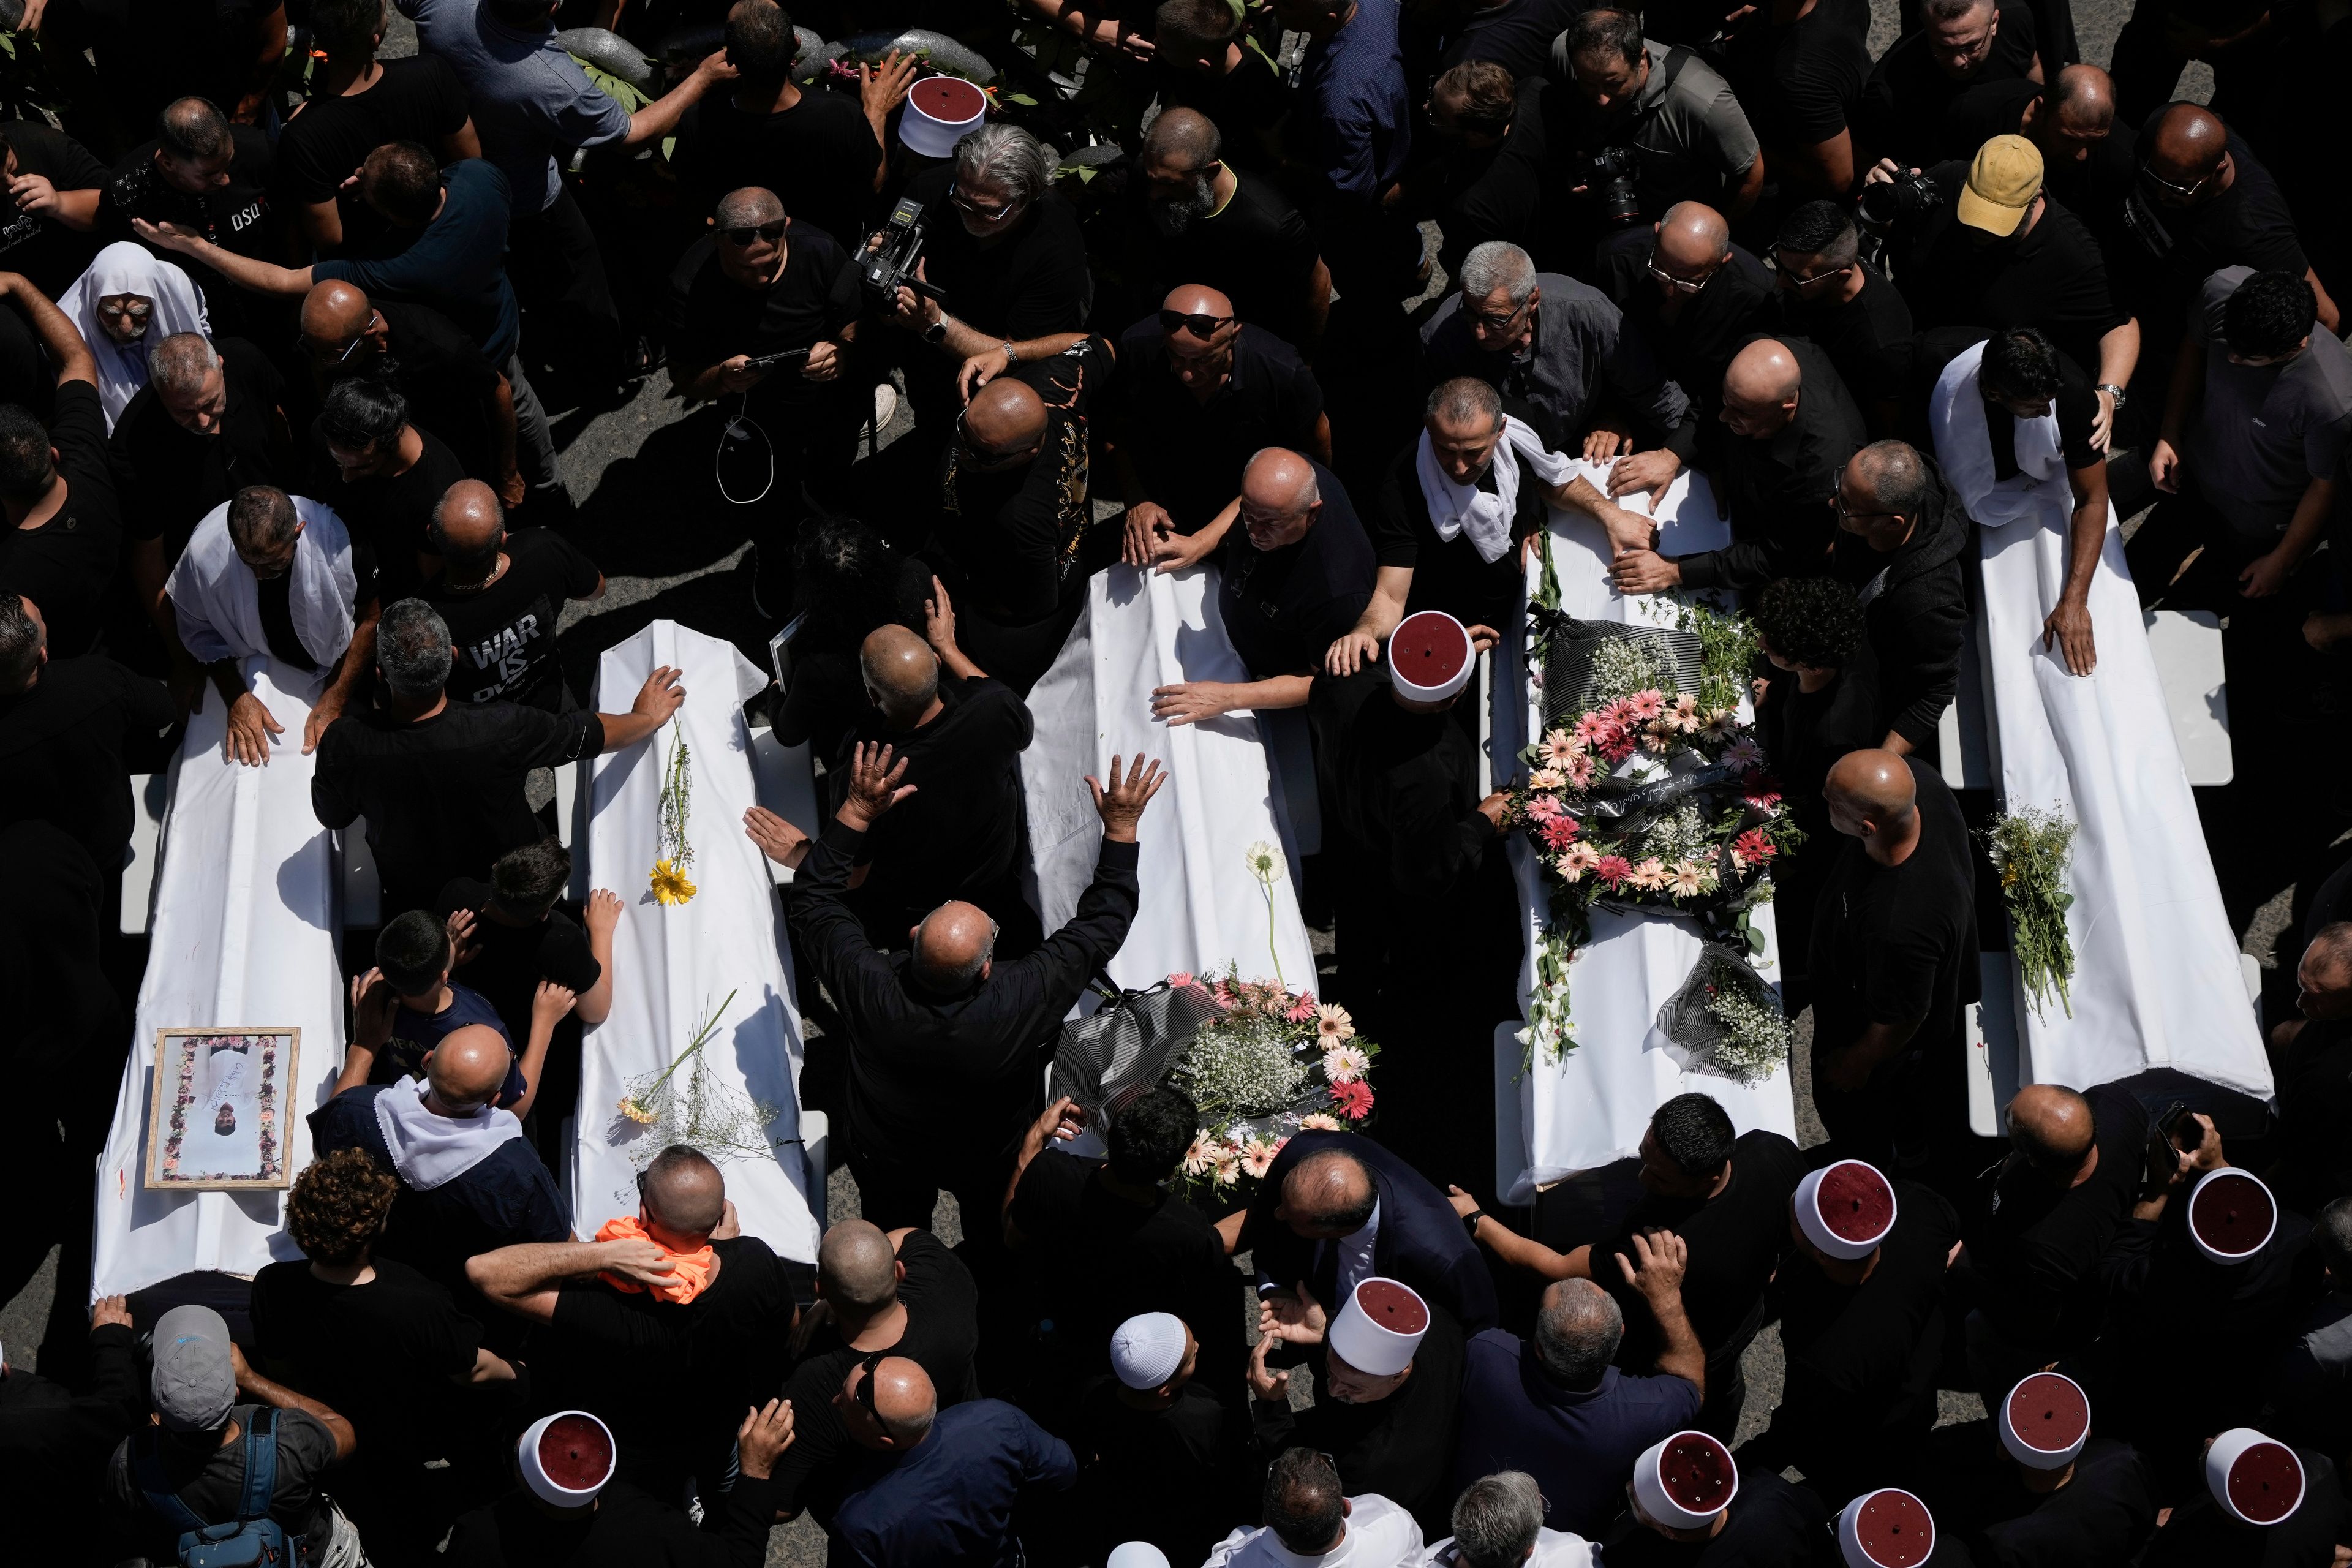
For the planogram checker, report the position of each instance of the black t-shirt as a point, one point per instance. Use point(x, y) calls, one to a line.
point(1101, 1260)
point(1897, 944)
point(390, 514)
point(1735, 1240)
point(1177, 1478)
point(1805, 732)
point(2052, 276)
point(419, 99)
point(45, 251)
point(1495, 193)
point(449, 383)
point(818, 156)
point(1775, 488)
point(961, 833)
point(1862, 1358)
point(169, 477)
point(380, 1354)
point(1283, 608)
point(1908, 95)
point(513, 960)
point(1695, 345)
point(235, 216)
point(1257, 250)
point(2248, 224)
point(2038, 1245)
point(1187, 454)
point(63, 748)
point(1013, 532)
point(443, 795)
point(66, 565)
point(276, 596)
point(1773, 1524)
point(1516, 34)
point(672, 1381)
point(1031, 284)
point(2103, 1514)
point(942, 1334)
point(1245, 104)
point(1448, 573)
point(504, 635)
point(1800, 84)
point(2077, 404)
point(1867, 338)
point(709, 318)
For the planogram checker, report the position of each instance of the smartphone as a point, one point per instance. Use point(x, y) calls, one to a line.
point(790, 356)
point(2164, 1142)
point(780, 652)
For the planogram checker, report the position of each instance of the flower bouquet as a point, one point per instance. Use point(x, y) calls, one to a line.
point(697, 1110)
point(1652, 798)
point(674, 854)
point(1274, 1063)
point(2032, 850)
point(1726, 1018)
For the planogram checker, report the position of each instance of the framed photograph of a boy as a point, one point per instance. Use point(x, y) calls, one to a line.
point(217, 1114)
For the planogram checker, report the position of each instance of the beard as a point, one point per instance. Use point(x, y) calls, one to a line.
point(1175, 215)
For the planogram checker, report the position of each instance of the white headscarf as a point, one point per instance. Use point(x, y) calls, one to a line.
point(217, 601)
point(123, 267)
point(1963, 433)
point(1486, 517)
point(429, 1149)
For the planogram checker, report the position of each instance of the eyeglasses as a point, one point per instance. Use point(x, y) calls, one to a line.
point(991, 214)
point(319, 351)
point(1837, 500)
point(137, 309)
point(1679, 285)
point(1201, 327)
point(871, 1360)
point(1772, 263)
point(771, 232)
point(1504, 322)
point(2183, 192)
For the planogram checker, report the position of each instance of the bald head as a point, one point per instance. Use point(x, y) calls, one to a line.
point(1181, 138)
point(1872, 787)
point(335, 312)
point(1692, 235)
point(468, 524)
point(468, 1067)
point(2188, 144)
point(684, 1194)
point(902, 674)
point(749, 208)
point(1004, 418)
point(858, 1269)
point(2084, 97)
point(953, 948)
point(2052, 1126)
point(903, 1401)
point(1760, 389)
point(1198, 299)
point(1279, 479)
point(1327, 1194)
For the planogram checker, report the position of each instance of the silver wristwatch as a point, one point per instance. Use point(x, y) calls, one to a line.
point(2117, 393)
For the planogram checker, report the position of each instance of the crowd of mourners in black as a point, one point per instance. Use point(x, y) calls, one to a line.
point(275, 316)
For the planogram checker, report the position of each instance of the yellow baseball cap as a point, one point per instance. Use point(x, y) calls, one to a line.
point(2002, 183)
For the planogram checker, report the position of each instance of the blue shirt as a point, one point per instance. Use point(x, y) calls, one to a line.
point(1579, 1447)
point(456, 263)
point(950, 1498)
point(528, 96)
point(1355, 79)
point(414, 1033)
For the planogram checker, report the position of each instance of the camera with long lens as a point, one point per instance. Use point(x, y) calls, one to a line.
point(892, 252)
point(1608, 178)
point(1899, 202)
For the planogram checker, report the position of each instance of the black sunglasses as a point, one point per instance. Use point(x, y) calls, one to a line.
point(870, 1361)
point(1201, 327)
point(771, 232)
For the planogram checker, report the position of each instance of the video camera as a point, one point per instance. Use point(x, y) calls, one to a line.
point(892, 252)
point(1608, 178)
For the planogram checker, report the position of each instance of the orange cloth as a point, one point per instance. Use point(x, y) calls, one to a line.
point(692, 1270)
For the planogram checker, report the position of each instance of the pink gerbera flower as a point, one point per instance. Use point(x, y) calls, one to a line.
point(1591, 728)
point(1620, 747)
point(1352, 1099)
point(1180, 980)
point(1646, 705)
point(1301, 1011)
point(1580, 772)
point(1614, 869)
point(1753, 846)
point(1559, 745)
point(1560, 832)
point(1576, 860)
point(1543, 807)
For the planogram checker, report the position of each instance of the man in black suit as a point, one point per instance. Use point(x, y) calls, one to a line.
point(1336, 1208)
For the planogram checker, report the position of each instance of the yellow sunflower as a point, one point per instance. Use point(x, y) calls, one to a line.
point(670, 885)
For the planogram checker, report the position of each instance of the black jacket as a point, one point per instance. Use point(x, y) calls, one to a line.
point(1775, 490)
point(946, 1085)
point(1918, 616)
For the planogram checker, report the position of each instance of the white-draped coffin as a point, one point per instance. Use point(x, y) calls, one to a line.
point(245, 932)
point(1201, 909)
point(674, 964)
point(1592, 1107)
point(2156, 980)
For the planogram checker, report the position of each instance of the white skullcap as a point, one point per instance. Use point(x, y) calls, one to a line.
point(2231, 1215)
point(1886, 1529)
point(567, 1457)
point(2045, 1421)
point(1846, 1209)
point(1147, 1350)
point(2254, 1478)
point(941, 111)
point(1379, 1327)
point(1136, 1554)
point(1685, 1480)
point(1430, 657)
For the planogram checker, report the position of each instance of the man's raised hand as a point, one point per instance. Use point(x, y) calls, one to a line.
point(874, 786)
point(1122, 805)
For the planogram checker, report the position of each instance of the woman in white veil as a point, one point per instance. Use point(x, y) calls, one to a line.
point(125, 304)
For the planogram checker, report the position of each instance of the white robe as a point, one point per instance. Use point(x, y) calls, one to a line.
point(217, 601)
point(124, 267)
point(2155, 982)
point(1379, 1535)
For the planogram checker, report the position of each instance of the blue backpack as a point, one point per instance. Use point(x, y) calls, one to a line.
point(253, 1540)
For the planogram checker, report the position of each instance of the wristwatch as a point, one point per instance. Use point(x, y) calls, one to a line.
point(936, 332)
point(1010, 358)
point(2117, 393)
point(1470, 1220)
